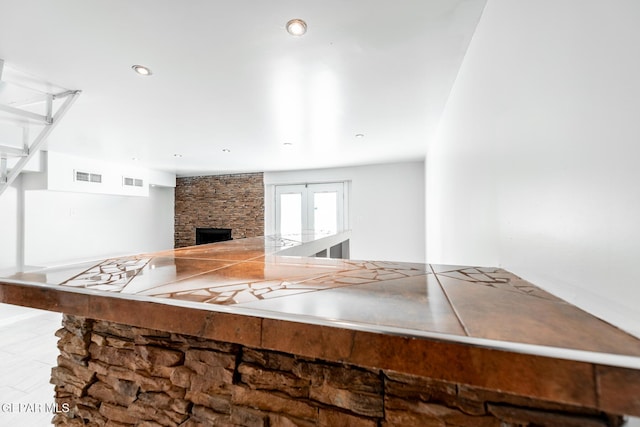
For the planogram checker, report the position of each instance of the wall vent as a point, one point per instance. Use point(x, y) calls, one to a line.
point(131, 182)
point(88, 177)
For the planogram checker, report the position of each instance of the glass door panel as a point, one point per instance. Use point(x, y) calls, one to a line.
point(291, 209)
point(291, 213)
point(325, 214)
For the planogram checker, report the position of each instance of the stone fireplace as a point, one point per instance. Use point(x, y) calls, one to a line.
point(234, 202)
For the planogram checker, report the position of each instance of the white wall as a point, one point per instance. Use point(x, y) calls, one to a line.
point(61, 170)
point(83, 221)
point(386, 207)
point(63, 227)
point(536, 165)
point(9, 217)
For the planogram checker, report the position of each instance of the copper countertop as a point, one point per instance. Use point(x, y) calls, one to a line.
point(371, 313)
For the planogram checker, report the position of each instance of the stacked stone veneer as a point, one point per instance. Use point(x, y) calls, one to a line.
point(220, 201)
point(114, 375)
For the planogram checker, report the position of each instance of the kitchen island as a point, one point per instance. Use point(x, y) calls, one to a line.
point(242, 333)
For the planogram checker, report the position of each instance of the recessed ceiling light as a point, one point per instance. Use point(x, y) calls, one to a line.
point(142, 70)
point(359, 135)
point(177, 155)
point(226, 150)
point(296, 27)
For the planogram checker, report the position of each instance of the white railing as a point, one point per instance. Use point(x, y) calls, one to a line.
point(311, 245)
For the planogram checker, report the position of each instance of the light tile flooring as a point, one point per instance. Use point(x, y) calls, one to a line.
point(27, 353)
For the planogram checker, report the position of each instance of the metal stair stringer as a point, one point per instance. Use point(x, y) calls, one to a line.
point(49, 122)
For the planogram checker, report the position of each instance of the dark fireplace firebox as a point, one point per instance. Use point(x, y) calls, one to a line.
point(212, 235)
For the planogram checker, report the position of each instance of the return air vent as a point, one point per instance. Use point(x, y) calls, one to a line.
point(88, 177)
point(131, 182)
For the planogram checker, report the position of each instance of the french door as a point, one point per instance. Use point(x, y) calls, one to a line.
point(318, 208)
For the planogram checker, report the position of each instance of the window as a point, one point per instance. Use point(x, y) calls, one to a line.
point(319, 208)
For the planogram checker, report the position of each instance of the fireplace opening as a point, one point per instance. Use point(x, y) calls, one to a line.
point(212, 235)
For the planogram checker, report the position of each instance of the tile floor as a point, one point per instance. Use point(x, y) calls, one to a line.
point(27, 354)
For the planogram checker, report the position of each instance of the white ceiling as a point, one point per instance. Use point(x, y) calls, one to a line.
point(226, 75)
